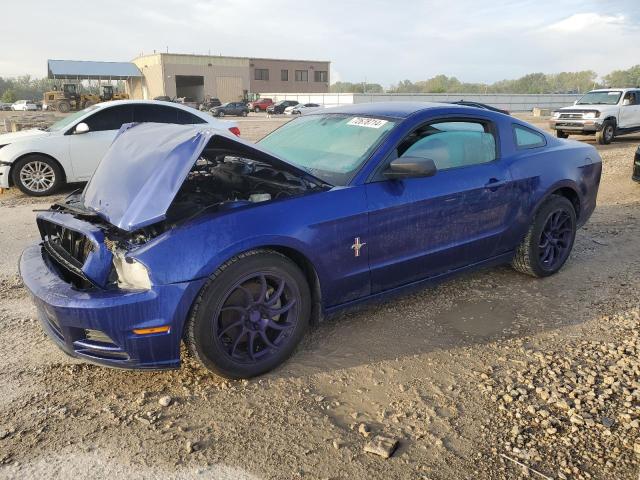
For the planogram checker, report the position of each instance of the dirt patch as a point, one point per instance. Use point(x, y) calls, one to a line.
point(430, 369)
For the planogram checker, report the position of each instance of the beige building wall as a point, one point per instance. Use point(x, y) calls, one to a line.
point(228, 78)
point(276, 83)
point(224, 77)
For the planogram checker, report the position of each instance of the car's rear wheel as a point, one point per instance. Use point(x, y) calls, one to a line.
point(37, 175)
point(561, 134)
point(605, 136)
point(250, 316)
point(550, 238)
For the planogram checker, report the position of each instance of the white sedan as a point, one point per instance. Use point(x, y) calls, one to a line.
point(38, 162)
point(301, 108)
point(23, 105)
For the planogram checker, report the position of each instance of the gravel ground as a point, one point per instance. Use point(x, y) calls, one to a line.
point(492, 375)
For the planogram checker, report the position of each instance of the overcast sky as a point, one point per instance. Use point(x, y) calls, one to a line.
point(381, 40)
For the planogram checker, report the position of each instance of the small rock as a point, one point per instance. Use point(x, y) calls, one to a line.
point(165, 401)
point(608, 422)
point(364, 429)
point(337, 444)
point(192, 447)
point(318, 398)
point(383, 446)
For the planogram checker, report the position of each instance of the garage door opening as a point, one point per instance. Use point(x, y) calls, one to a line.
point(190, 86)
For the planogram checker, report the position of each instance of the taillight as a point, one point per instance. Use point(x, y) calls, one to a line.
point(235, 131)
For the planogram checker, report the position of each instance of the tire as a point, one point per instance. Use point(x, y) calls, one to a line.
point(221, 114)
point(245, 113)
point(605, 136)
point(256, 109)
point(64, 107)
point(37, 175)
point(233, 303)
point(561, 134)
point(543, 236)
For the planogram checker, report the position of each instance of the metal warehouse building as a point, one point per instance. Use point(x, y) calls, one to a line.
point(227, 78)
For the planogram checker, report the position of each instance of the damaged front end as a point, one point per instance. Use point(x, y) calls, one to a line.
point(97, 296)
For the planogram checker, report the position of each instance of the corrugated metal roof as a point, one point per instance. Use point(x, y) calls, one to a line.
point(92, 70)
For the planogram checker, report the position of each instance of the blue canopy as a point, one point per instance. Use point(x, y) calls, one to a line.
point(78, 69)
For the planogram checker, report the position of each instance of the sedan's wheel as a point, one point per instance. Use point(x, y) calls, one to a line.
point(605, 136)
point(221, 114)
point(244, 113)
point(561, 134)
point(549, 240)
point(257, 109)
point(37, 175)
point(250, 316)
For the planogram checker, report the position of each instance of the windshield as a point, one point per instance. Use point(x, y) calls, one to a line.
point(68, 120)
point(600, 98)
point(331, 147)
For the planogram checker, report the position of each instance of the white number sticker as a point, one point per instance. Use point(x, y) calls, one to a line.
point(367, 122)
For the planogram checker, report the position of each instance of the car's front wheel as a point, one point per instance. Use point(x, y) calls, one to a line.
point(561, 134)
point(256, 109)
point(221, 114)
point(250, 316)
point(37, 175)
point(550, 238)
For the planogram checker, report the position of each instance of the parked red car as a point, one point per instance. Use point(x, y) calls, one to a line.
point(260, 104)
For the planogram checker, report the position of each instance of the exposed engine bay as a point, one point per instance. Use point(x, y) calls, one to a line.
point(218, 180)
point(221, 180)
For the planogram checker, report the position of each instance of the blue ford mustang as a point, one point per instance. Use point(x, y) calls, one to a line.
point(189, 234)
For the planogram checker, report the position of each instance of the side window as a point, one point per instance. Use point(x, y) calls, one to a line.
point(186, 118)
point(110, 118)
point(452, 144)
point(154, 113)
point(527, 138)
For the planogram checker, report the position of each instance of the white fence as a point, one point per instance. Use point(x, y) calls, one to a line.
point(507, 101)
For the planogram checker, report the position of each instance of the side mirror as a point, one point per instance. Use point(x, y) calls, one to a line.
point(626, 102)
point(410, 167)
point(81, 128)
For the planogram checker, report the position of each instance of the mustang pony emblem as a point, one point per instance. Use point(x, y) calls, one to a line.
point(357, 246)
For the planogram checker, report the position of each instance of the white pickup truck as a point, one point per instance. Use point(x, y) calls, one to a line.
point(606, 112)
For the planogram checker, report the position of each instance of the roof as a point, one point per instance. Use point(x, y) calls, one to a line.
point(80, 69)
point(387, 109)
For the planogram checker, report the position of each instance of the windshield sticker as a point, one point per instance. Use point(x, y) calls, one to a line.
point(367, 122)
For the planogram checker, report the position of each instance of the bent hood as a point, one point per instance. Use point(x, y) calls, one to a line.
point(141, 173)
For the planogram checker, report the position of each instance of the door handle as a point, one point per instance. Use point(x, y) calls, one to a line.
point(494, 184)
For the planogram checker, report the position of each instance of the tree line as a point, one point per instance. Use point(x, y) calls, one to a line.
point(564, 82)
point(30, 88)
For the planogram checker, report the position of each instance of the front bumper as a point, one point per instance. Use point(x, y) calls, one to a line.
point(575, 125)
point(71, 317)
point(4, 176)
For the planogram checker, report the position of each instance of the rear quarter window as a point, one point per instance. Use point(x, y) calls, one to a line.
point(526, 138)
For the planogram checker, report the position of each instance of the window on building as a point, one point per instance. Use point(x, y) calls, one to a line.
point(284, 75)
point(321, 76)
point(262, 74)
point(527, 138)
point(302, 75)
